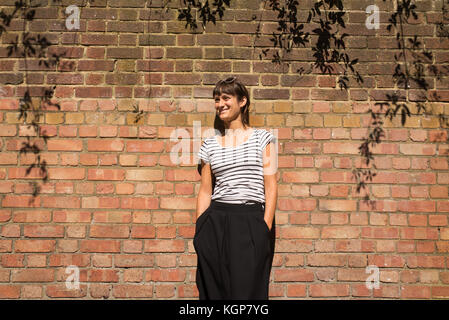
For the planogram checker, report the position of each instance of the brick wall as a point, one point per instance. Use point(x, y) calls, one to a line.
point(120, 210)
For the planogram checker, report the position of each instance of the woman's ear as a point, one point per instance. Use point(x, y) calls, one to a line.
point(242, 103)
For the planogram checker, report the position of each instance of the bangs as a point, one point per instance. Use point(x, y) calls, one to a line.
point(228, 88)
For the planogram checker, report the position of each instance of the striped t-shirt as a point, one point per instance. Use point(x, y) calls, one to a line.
point(238, 170)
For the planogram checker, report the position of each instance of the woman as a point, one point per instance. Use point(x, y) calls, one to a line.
point(234, 233)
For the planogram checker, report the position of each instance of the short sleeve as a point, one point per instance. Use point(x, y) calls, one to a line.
point(203, 154)
point(265, 138)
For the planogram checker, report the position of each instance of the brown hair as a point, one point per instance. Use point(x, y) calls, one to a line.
point(233, 87)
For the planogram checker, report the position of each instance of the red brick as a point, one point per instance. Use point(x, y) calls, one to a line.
point(442, 246)
point(300, 232)
point(71, 216)
point(387, 291)
point(132, 291)
point(296, 290)
point(100, 246)
point(415, 292)
point(93, 92)
point(417, 206)
point(328, 290)
point(300, 177)
point(440, 292)
point(294, 245)
point(9, 291)
point(100, 290)
point(164, 246)
point(164, 232)
point(33, 275)
point(387, 261)
point(352, 275)
point(326, 260)
point(61, 291)
point(43, 231)
point(109, 231)
point(59, 260)
point(360, 290)
point(380, 233)
point(131, 260)
point(425, 246)
point(297, 204)
point(178, 203)
point(20, 201)
point(142, 232)
point(100, 275)
point(105, 174)
point(35, 245)
point(293, 275)
point(338, 205)
point(419, 233)
point(5, 245)
point(425, 262)
point(5, 215)
point(437, 220)
point(12, 260)
point(171, 275)
point(60, 202)
point(348, 246)
point(32, 216)
point(165, 291)
point(145, 203)
point(340, 232)
point(444, 277)
point(114, 145)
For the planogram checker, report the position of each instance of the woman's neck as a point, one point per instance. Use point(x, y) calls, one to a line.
point(235, 126)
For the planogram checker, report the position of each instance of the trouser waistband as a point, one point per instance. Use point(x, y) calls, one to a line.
point(249, 204)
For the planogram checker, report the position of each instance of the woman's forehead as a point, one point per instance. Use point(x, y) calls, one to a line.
point(223, 94)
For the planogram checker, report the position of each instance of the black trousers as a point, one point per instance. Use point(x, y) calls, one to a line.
point(235, 251)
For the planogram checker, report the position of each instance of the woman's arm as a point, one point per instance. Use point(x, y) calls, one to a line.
point(205, 192)
point(270, 182)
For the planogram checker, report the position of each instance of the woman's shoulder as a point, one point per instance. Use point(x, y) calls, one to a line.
point(263, 132)
point(207, 140)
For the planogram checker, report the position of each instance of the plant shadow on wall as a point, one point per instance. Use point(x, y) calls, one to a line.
point(413, 75)
point(329, 53)
point(34, 101)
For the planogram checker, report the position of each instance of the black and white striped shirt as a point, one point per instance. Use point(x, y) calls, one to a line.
point(238, 170)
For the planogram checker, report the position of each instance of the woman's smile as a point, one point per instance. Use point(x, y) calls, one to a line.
point(223, 110)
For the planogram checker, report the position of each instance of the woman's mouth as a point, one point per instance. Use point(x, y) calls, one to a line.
point(223, 110)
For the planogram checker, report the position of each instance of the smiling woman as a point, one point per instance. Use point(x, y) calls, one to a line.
point(234, 234)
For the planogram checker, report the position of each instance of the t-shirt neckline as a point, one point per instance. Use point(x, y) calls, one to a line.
point(235, 147)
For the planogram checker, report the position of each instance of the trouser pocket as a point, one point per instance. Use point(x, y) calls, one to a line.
point(260, 218)
point(200, 221)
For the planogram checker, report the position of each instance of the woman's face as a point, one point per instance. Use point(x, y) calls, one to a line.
point(228, 107)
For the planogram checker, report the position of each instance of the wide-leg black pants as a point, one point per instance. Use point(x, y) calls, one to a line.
point(235, 251)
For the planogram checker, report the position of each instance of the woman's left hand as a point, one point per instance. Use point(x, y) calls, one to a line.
point(269, 225)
